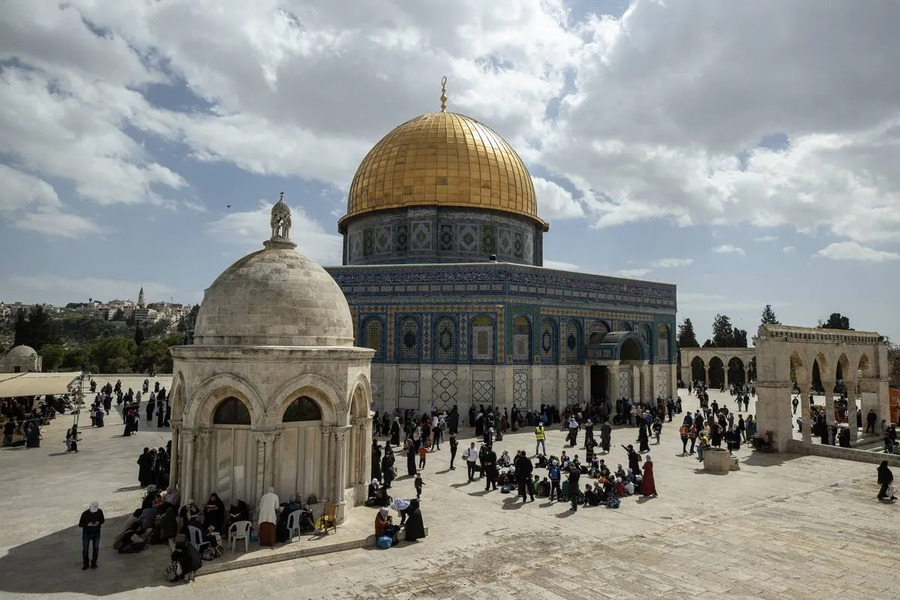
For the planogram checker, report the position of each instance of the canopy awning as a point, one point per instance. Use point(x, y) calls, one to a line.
point(14, 385)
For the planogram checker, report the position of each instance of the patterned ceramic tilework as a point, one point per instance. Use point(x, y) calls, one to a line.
point(444, 388)
point(422, 239)
point(520, 388)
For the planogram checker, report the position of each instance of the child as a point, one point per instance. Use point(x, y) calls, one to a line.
point(418, 483)
point(423, 452)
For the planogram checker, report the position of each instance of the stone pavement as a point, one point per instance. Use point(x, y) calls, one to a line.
point(784, 526)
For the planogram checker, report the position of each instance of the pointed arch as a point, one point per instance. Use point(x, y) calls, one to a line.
point(409, 340)
point(199, 409)
point(521, 339)
point(574, 341)
point(445, 340)
point(483, 330)
point(549, 340)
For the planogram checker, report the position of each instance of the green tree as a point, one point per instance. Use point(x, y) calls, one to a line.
point(138, 335)
point(35, 330)
point(119, 315)
point(687, 338)
point(740, 338)
point(114, 355)
point(723, 332)
point(836, 321)
point(52, 356)
point(768, 316)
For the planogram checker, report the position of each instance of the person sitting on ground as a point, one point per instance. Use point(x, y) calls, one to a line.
point(504, 460)
point(384, 526)
point(189, 514)
point(166, 524)
point(131, 541)
point(591, 498)
point(185, 562)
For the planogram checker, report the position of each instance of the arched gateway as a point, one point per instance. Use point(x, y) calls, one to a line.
point(273, 392)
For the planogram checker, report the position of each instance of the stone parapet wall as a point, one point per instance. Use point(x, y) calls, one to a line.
point(797, 447)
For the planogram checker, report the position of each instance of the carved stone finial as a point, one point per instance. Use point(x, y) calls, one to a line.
point(281, 225)
point(444, 93)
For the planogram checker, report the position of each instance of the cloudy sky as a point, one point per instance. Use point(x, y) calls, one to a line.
point(745, 150)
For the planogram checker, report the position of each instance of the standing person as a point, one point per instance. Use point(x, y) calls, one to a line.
point(643, 438)
point(471, 457)
point(683, 432)
point(145, 468)
point(268, 517)
point(555, 475)
point(410, 457)
point(648, 484)
point(574, 476)
point(523, 475)
point(423, 454)
point(90, 522)
point(605, 433)
point(453, 420)
point(151, 406)
point(489, 468)
point(573, 431)
point(634, 459)
point(540, 440)
point(453, 446)
point(418, 483)
point(886, 480)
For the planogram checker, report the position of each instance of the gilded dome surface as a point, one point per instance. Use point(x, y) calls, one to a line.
point(442, 159)
point(274, 297)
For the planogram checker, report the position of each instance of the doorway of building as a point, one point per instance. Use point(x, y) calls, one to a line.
point(599, 382)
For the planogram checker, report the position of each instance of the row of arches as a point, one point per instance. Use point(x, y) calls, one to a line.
point(737, 371)
point(233, 411)
point(556, 340)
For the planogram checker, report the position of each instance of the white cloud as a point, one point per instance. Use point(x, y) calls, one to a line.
point(561, 265)
point(249, 229)
point(729, 249)
point(670, 263)
point(61, 289)
point(633, 272)
point(554, 202)
point(766, 238)
point(789, 249)
point(854, 251)
point(31, 203)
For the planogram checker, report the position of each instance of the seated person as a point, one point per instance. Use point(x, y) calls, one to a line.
point(214, 512)
point(186, 561)
point(603, 469)
point(166, 525)
point(131, 540)
point(148, 520)
point(189, 515)
point(384, 525)
point(591, 498)
point(377, 495)
point(307, 523)
point(504, 461)
point(544, 488)
point(239, 511)
point(536, 484)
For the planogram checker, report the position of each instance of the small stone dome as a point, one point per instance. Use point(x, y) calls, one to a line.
point(22, 351)
point(274, 297)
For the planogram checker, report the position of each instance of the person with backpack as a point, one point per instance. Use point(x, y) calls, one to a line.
point(683, 432)
point(555, 476)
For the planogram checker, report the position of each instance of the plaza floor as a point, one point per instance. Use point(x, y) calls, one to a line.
point(784, 526)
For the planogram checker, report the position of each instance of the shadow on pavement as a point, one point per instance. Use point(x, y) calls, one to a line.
point(52, 564)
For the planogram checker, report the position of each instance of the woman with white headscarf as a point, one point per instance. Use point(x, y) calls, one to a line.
point(268, 516)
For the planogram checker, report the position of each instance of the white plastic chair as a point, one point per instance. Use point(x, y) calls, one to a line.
point(240, 530)
point(293, 524)
point(196, 538)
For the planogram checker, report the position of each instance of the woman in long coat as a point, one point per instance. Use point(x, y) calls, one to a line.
point(643, 438)
point(376, 460)
point(145, 468)
point(411, 453)
point(395, 432)
point(415, 527)
point(648, 484)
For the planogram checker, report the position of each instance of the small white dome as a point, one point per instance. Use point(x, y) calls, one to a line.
point(22, 351)
point(274, 297)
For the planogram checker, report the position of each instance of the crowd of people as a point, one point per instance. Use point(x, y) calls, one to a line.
point(21, 419)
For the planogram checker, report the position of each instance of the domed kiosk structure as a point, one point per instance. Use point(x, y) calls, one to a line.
point(272, 393)
point(443, 270)
point(21, 359)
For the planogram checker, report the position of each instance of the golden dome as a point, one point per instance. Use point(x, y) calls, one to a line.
point(442, 159)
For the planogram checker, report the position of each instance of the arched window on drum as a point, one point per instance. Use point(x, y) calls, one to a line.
point(231, 411)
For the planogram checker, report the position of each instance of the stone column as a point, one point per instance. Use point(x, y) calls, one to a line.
point(851, 409)
point(327, 472)
point(341, 448)
point(706, 375)
point(201, 461)
point(829, 402)
point(883, 399)
point(804, 414)
point(364, 462)
point(773, 412)
point(636, 383)
point(260, 465)
point(186, 474)
point(174, 468)
point(266, 440)
point(746, 375)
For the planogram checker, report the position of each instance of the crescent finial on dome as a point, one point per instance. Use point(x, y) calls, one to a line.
point(443, 93)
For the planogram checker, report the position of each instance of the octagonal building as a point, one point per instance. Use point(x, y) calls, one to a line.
point(443, 272)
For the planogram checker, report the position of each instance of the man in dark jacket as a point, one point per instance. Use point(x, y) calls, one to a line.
point(523, 475)
point(90, 523)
